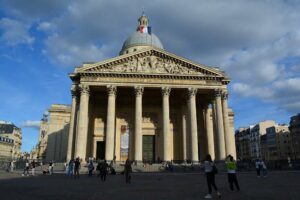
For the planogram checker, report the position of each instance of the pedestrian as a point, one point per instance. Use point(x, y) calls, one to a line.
point(33, 168)
point(76, 168)
point(210, 171)
point(264, 168)
point(257, 167)
point(66, 168)
point(70, 168)
point(8, 166)
point(26, 169)
point(50, 169)
point(127, 171)
point(103, 170)
point(12, 166)
point(98, 168)
point(91, 168)
point(231, 170)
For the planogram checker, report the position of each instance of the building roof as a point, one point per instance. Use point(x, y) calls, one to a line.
point(7, 128)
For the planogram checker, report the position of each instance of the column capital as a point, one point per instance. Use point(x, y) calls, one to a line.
point(224, 95)
point(74, 91)
point(165, 91)
point(192, 91)
point(217, 92)
point(138, 90)
point(84, 89)
point(111, 90)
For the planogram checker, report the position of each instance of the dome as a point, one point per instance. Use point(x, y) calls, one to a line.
point(141, 38)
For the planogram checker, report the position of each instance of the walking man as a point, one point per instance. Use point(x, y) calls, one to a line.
point(76, 168)
point(103, 170)
point(258, 167)
point(26, 169)
point(33, 168)
point(127, 171)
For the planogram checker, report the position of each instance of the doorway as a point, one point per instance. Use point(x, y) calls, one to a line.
point(100, 153)
point(148, 148)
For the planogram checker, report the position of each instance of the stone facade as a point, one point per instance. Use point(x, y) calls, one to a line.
point(11, 131)
point(255, 134)
point(6, 148)
point(149, 104)
point(265, 140)
point(279, 143)
point(53, 140)
point(242, 140)
point(295, 135)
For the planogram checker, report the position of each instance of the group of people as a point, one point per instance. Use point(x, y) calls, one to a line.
point(28, 166)
point(102, 169)
point(211, 170)
point(261, 168)
point(73, 167)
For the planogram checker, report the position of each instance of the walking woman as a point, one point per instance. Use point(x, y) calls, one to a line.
point(209, 167)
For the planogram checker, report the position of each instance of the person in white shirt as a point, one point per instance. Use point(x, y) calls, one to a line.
point(264, 168)
point(209, 166)
point(258, 167)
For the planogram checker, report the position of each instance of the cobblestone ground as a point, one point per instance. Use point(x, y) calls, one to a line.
point(279, 185)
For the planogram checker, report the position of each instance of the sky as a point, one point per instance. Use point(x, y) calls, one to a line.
point(255, 42)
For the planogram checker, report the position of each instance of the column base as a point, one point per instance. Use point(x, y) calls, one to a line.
point(195, 162)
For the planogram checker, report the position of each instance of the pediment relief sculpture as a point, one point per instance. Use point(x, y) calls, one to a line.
point(148, 64)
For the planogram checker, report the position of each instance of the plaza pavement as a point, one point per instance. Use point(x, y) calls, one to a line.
point(281, 185)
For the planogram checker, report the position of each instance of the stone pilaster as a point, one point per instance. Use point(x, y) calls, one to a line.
point(72, 128)
point(110, 122)
point(166, 123)
point(221, 153)
point(209, 132)
point(138, 136)
point(229, 137)
point(82, 133)
point(193, 124)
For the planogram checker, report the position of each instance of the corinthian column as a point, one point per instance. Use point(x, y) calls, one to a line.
point(220, 128)
point(209, 133)
point(110, 122)
point(138, 142)
point(229, 137)
point(193, 124)
point(82, 133)
point(184, 128)
point(166, 123)
point(72, 129)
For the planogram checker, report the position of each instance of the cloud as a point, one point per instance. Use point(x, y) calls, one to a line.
point(15, 32)
point(31, 124)
point(255, 42)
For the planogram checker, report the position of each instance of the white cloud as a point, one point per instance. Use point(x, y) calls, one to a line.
point(15, 32)
point(46, 26)
point(31, 124)
point(251, 40)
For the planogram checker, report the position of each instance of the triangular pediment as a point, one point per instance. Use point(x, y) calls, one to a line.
point(150, 61)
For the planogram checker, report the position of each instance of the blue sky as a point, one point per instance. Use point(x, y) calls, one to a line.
point(255, 42)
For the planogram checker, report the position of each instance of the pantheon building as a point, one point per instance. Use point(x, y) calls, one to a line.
point(148, 104)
